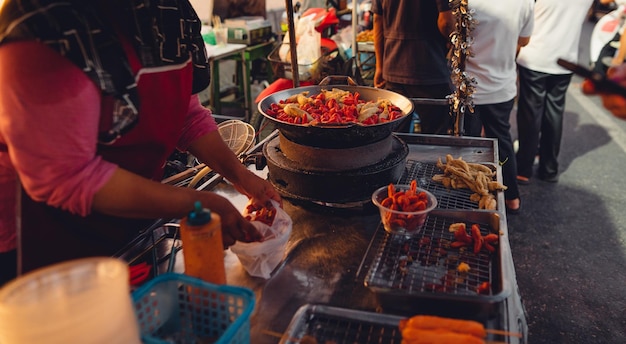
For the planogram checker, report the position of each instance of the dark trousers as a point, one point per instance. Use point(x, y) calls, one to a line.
point(540, 109)
point(434, 119)
point(494, 119)
point(8, 266)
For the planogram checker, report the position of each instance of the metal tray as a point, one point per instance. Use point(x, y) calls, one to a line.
point(325, 324)
point(447, 198)
point(407, 272)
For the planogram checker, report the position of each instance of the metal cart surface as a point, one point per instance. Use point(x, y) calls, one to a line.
point(324, 262)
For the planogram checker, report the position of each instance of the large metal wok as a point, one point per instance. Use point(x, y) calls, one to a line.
point(334, 136)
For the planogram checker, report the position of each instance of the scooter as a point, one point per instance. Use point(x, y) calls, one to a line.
point(605, 37)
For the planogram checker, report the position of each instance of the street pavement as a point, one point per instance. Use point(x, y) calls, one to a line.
point(569, 240)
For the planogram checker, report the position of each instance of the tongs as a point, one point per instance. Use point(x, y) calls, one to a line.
point(173, 250)
point(140, 272)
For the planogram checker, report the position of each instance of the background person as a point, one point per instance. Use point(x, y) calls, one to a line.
point(410, 44)
point(543, 85)
point(226, 9)
point(500, 31)
point(104, 92)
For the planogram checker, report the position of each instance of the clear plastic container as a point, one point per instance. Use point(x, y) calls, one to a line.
point(79, 301)
point(402, 222)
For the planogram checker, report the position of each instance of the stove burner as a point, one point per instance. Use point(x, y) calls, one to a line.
point(341, 181)
point(334, 159)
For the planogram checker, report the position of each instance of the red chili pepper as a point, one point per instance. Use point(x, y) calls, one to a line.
point(460, 235)
point(477, 237)
point(265, 214)
point(484, 288)
point(491, 238)
point(488, 247)
point(458, 244)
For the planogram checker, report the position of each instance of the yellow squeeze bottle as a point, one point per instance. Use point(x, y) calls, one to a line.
point(203, 250)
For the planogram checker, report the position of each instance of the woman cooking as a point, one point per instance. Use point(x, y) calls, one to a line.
point(101, 93)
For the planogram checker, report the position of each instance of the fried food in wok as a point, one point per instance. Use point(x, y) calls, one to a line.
point(334, 106)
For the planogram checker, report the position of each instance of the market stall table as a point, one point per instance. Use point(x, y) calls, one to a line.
point(327, 261)
point(217, 53)
point(244, 63)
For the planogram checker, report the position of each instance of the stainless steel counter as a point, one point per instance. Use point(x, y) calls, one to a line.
point(325, 255)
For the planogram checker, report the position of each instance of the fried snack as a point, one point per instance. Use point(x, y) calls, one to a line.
point(365, 36)
point(487, 201)
point(476, 240)
point(495, 186)
point(481, 168)
point(431, 322)
point(459, 174)
point(463, 267)
point(438, 336)
point(333, 106)
point(456, 226)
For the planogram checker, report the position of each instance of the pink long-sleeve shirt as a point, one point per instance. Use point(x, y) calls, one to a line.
point(49, 119)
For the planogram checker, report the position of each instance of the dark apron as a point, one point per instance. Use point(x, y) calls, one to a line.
point(49, 235)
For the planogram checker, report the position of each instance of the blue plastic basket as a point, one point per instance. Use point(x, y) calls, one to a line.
point(176, 308)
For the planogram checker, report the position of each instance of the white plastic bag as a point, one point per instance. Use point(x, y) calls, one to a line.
point(308, 42)
point(261, 258)
point(309, 45)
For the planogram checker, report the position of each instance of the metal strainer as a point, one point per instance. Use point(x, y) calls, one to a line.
point(238, 135)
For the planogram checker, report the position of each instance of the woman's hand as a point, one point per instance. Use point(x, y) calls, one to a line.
point(234, 226)
point(212, 150)
point(259, 190)
point(612, 102)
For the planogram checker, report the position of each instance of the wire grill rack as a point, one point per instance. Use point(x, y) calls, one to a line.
point(425, 264)
point(323, 324)
point(423, 173)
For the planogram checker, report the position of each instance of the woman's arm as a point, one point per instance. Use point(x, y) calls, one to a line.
point(49, 119)
point(213, 151)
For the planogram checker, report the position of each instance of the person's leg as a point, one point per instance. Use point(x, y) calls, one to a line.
point(552, 127)
point(495, 119)
point(530, 107)
point(8, 266)
point(434, 119)
point(472, 123)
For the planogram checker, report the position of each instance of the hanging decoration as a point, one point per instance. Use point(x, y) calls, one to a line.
point(461, 100)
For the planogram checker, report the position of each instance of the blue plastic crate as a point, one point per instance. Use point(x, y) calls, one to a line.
point(176, 308)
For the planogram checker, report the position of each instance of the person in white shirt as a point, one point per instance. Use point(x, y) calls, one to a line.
point(500, 30)
point(543, 85)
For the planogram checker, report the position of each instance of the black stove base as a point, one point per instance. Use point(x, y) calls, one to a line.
point(346, 187)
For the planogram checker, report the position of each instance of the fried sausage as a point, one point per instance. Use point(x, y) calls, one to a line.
point(431, 322)
point(438, 336)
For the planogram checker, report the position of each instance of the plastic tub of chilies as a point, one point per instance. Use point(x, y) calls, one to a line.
point(403, 208)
